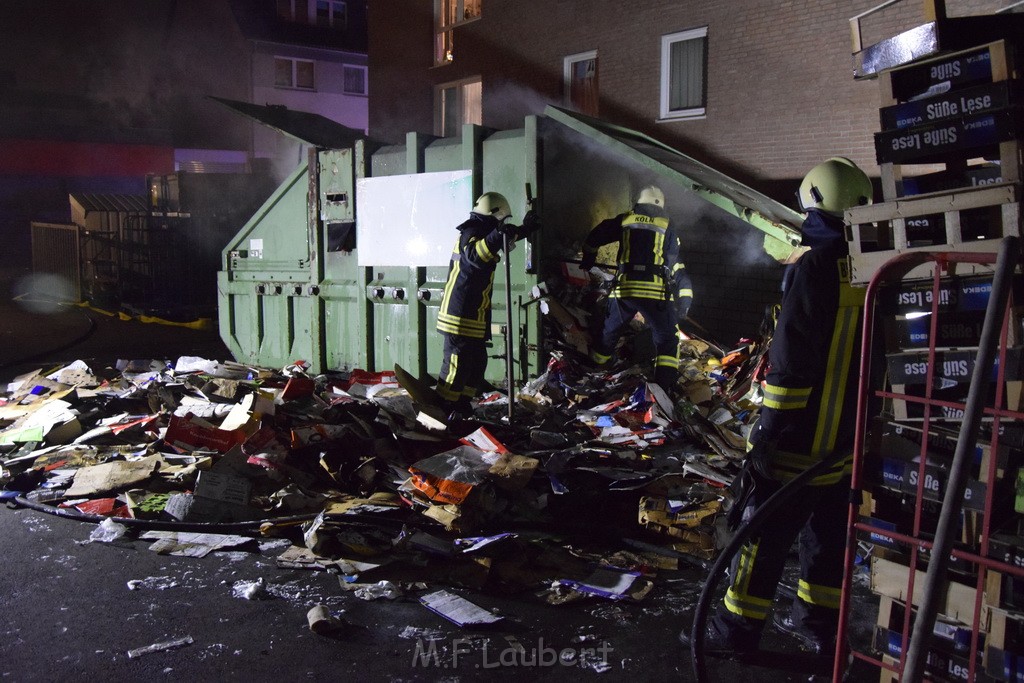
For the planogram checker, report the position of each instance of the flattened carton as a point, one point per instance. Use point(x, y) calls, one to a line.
point(692, 525)
point(659, 511)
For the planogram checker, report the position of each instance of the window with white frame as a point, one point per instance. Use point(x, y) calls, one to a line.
point(447, 15)
point(457, 103)
point(684, 74)
point(354, 80)
point(293, 73)
point(331, 13)
point(579, 82)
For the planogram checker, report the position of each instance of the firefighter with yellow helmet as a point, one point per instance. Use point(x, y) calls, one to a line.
point(808, 415)
point(464, 318)
point(650, 280)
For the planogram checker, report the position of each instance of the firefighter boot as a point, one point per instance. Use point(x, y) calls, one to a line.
point(666, 377)
point(460, 409)
point(722, 641)
point(819, 641)
point(598, 361)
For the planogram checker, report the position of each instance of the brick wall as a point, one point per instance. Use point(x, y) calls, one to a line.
point(781, 97)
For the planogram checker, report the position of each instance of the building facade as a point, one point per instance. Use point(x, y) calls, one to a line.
point(762, 90)
point(102, 94)
point(759, 90)
point(309, 56)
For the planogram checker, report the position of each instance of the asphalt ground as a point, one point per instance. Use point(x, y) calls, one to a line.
point(77, 608)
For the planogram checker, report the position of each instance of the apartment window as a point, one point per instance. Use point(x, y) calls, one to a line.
point(457, 103)
point(684, 73)
point(331, 13)
point(580, 82)
point(293, 73)
point(291, 10)
point(355, 80)
point(447, 15)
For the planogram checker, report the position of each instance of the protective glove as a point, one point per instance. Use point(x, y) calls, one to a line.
point(509, 230)
point(682, 308)
point(762, 457)
point(741, 488)
point(531, 224)
point(588, 260)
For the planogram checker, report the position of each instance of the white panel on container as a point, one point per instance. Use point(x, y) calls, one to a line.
point(410, 220)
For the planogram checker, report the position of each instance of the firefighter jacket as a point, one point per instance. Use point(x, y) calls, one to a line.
point(466, 305)
point(648, 259)
point(810, 391)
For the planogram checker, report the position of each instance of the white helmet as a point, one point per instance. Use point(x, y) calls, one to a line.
point(651, 194)
point(493, 204)
point(833, 186)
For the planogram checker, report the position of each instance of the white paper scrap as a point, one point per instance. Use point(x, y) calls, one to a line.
point(605, 583)
point(191, 544)
point(457, 609)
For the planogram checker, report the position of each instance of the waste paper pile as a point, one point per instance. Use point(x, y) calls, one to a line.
point(601, 479)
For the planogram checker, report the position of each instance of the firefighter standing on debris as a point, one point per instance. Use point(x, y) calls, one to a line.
point(464, 318)
point(808, 414)
point(650, 280)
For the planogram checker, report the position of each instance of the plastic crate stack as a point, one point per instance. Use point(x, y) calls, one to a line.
point(950, 158)
point(905, 495)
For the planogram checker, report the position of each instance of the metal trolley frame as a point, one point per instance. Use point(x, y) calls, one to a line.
point(938, 544)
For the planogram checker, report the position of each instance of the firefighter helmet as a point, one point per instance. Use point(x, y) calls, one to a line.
point(651, 194)
point(493, 204)
point(833, 186)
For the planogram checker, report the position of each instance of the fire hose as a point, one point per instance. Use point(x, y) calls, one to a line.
point(250, 526)
point(919, 643)
point(743, 534)
point(62, 346)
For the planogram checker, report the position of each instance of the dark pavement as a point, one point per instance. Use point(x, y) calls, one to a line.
point(74, 608)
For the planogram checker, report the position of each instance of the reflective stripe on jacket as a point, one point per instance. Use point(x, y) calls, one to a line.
point(810, 390)
point(466, 304)
point(648, 254)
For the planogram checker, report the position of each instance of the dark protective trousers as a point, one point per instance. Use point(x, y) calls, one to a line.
point(660, 315)
point(819, 515)
point(463, 367)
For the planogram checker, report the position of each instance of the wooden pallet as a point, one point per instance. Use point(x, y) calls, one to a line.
point(877, 232)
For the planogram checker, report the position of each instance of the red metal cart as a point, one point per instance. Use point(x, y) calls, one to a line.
point(920, 538)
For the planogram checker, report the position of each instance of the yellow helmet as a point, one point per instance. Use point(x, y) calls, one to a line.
point(651, 194)
point(493, 204)
point(833, 186)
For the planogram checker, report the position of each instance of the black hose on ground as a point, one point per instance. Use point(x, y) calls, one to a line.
point(203, 527)
point(63, 346)
point(743, 534)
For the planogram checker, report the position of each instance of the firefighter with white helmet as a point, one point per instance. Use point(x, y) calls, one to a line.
point(650, 280)
point(808, 415)
point(464, 318)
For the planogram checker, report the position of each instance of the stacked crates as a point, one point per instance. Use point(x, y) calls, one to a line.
point(910, 441)
point(949, 150)
point(955, 122)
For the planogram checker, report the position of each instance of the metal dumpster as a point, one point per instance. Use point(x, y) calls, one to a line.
point(345, 264)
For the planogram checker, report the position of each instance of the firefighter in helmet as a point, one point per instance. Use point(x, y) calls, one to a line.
point(464, 319)
point(650, 280)
point(808, 415)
